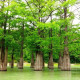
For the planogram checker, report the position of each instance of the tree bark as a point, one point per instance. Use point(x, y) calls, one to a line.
point(3, 63)
point(66, 59)
point(50, 63)
point(39, 62)
point(60, 61)
point(20, 66)
point(32, 60)
point(12, 59)
point(3, 50)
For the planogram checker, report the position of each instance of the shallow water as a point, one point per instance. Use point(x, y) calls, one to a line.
point(29, 74)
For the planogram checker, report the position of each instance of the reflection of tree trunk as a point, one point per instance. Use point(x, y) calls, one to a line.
point(39, 62)
point(66, 75)
point(66, 58)
point(60, 61)
point(32, 60)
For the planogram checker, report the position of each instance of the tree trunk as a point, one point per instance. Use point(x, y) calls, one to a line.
point(0, 58)
point(39, 62)
point(60, 61)
point(20, 64)
point(3, 50)
point(22, 43)
point(12, 60)
point(32, 60)
point(66, 58)
point(3, 64)
point(43, 60)
point(50, 63)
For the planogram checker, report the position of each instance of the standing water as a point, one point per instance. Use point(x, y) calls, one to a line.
point(29, 74)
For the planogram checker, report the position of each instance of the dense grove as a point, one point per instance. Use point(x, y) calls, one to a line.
point(38, 32)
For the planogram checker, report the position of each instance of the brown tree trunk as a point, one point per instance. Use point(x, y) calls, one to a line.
point(12, 59)
point(66, 58)
point(3, 64)
point(43, 60)
point(32, 60)
point(20, 66)
point(50, 63)
point(39, 62)
point(0, 58)
point(6, 53)
point(66, 61)
point(60, 61)
point(3, 50)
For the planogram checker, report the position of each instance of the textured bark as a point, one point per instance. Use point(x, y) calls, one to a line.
point(66, 59)
point(3, 56)
point(39, 62)
point(3, 64)
point(60, 61)
point(20, 64)
point(3, 50)
point(50, 63)
point(32, 60)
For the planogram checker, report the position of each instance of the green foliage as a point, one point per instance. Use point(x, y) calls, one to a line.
point(34, 15)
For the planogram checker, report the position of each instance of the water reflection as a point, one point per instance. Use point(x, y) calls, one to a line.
point(65, 75)
point(29, 74)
